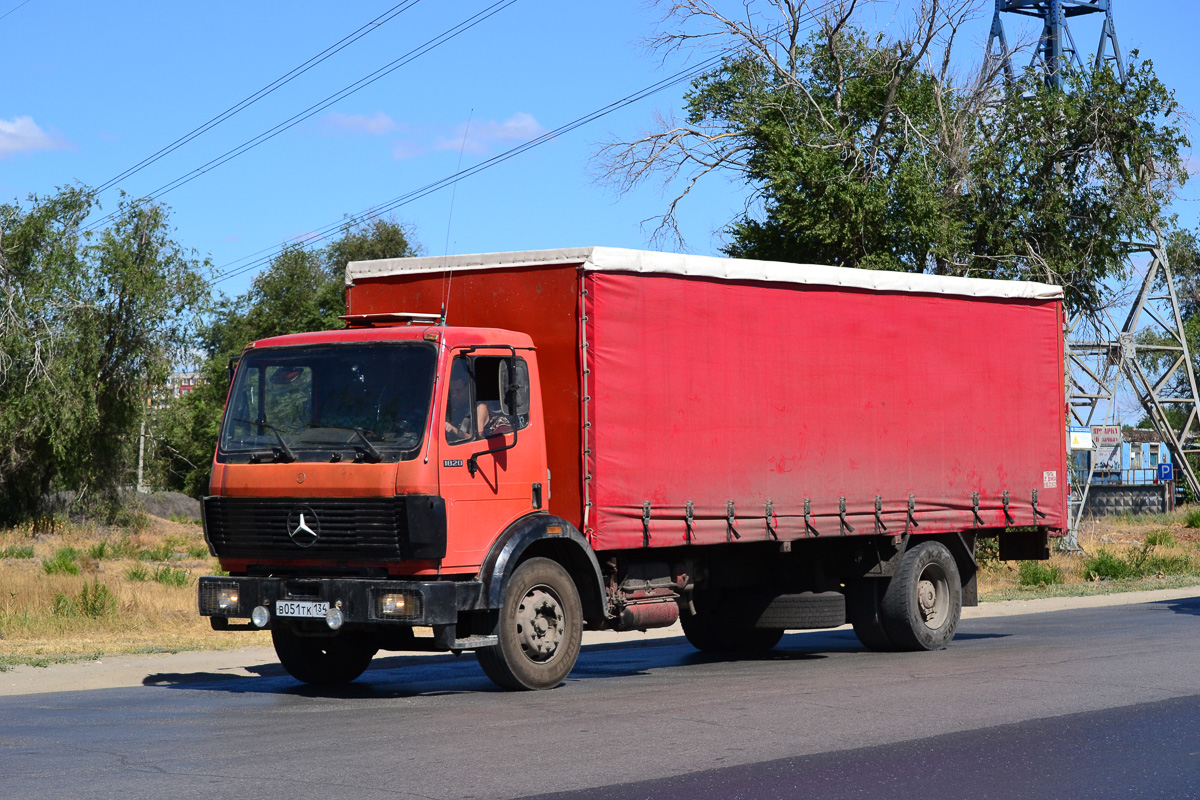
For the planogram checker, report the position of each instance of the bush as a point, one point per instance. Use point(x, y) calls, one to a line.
point(17, 551)
point(1139, 563)
point(63, 562)
point(198, 551)
point(1192, 520)
point(1037, 573)
point(137, 573)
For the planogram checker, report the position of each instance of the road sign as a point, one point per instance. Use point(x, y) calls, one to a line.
point(1165, 473)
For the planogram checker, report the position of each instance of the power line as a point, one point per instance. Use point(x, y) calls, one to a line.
point(431, 44)
point(284, 79)
point(14, 8)
point(328, 231)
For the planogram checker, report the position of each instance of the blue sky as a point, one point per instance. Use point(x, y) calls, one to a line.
point(91, 89)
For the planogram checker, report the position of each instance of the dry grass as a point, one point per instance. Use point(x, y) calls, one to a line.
point(44, 618)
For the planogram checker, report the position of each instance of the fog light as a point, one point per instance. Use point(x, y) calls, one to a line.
point(260, 616)
point(334, 618)
point(227, 601)
point(399, 604)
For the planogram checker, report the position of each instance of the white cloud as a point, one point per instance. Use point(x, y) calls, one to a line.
point(377, 124)
point(481, 136)
point(22, 135)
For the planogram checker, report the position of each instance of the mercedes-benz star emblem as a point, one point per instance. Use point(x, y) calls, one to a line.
point(303, 526)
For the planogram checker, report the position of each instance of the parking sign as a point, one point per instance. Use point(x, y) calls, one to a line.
point(1164, 472)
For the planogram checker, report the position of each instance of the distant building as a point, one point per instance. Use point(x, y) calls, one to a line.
point(181, 383)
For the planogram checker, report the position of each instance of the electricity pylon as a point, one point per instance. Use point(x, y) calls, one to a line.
point(1149, 351)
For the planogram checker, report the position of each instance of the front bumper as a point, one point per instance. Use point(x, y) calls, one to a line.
point(430, 603)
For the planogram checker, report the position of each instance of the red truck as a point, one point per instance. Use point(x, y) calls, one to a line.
point(503, 450)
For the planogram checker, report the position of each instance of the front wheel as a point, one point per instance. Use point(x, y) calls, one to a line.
point(922, 604)
point(541, 628)
point(322, 660)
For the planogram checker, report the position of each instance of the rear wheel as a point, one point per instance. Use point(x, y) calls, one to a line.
point(922, 603)
point(322, 660)
point(863, 600)
point(541, 628)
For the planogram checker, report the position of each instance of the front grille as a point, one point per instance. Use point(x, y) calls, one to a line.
point(358, 529)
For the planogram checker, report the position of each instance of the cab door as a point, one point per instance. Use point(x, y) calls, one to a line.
point(489, 451)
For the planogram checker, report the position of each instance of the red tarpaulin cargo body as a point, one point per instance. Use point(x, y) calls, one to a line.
point(702, 400)
point(503, 449)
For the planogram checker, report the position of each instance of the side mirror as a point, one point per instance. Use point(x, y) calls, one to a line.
point(231, 369)
point(516, 396)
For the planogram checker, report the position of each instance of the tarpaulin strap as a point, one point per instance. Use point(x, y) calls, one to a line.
point(730, 531)
point(689, 513)
point(879, 526)
point(975, 509)
point(646, 524)
point(807, 513)
point(912, 513)
point(845, 526)
point(770, 514)
point(1036, 513)
point(1007, 516)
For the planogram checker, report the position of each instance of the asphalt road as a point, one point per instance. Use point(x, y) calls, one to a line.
point(1088, 703)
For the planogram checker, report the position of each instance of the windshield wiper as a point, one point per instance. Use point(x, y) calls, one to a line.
point(286, 451)
point(374, 456)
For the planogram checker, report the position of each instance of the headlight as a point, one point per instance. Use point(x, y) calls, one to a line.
point(398, 605)
point(220, 599)
point(260, 616)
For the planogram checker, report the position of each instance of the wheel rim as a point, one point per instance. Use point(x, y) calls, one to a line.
point(541, 624)
point(933, 596)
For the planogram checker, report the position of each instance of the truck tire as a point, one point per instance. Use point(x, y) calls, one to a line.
point(540, 629)
point(863, 599)
point(710, 634)
point(324, 661)
point(922, 603)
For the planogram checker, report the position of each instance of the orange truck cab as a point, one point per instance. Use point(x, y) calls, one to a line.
point(503, 449)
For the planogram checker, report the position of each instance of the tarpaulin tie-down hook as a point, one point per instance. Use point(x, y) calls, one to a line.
point(646, 524)
point(689, 514)
point(845, 526)
point(879, 526)
point(1007, 516)
point(730, 532)
point(1037, 513)
point(975, 509)
point(770, 514)
point(808, 513)
point(911, 520)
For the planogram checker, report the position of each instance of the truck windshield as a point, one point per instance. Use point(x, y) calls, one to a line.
point(364, 402)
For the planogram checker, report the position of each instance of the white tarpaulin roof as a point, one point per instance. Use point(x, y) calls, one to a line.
point(616, 259)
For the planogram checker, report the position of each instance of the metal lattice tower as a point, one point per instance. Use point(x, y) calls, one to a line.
point(1157, 366)
point(1056, 50)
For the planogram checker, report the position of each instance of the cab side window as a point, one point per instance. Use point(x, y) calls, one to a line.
point(480, 400)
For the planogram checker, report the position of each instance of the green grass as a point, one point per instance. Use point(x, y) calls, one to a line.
point(1192, 519)
point(198, 551)
point(17, 551)
point(64, 562)
point(1142, 562)
point(137, 573)
point(172, 576)
point(1036, 573)
point(1162, 539)
point(1089, 589)
point(93, 601)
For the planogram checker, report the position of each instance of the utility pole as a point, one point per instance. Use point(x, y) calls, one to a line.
point(1100, 353)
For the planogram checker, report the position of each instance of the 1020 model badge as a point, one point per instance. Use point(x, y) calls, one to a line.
point(303, 526)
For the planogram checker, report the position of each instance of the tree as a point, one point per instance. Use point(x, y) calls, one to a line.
point(871, 151)
point(89, 326)
point(301, 290)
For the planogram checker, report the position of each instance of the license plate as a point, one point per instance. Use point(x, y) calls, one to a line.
point(300, 608)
